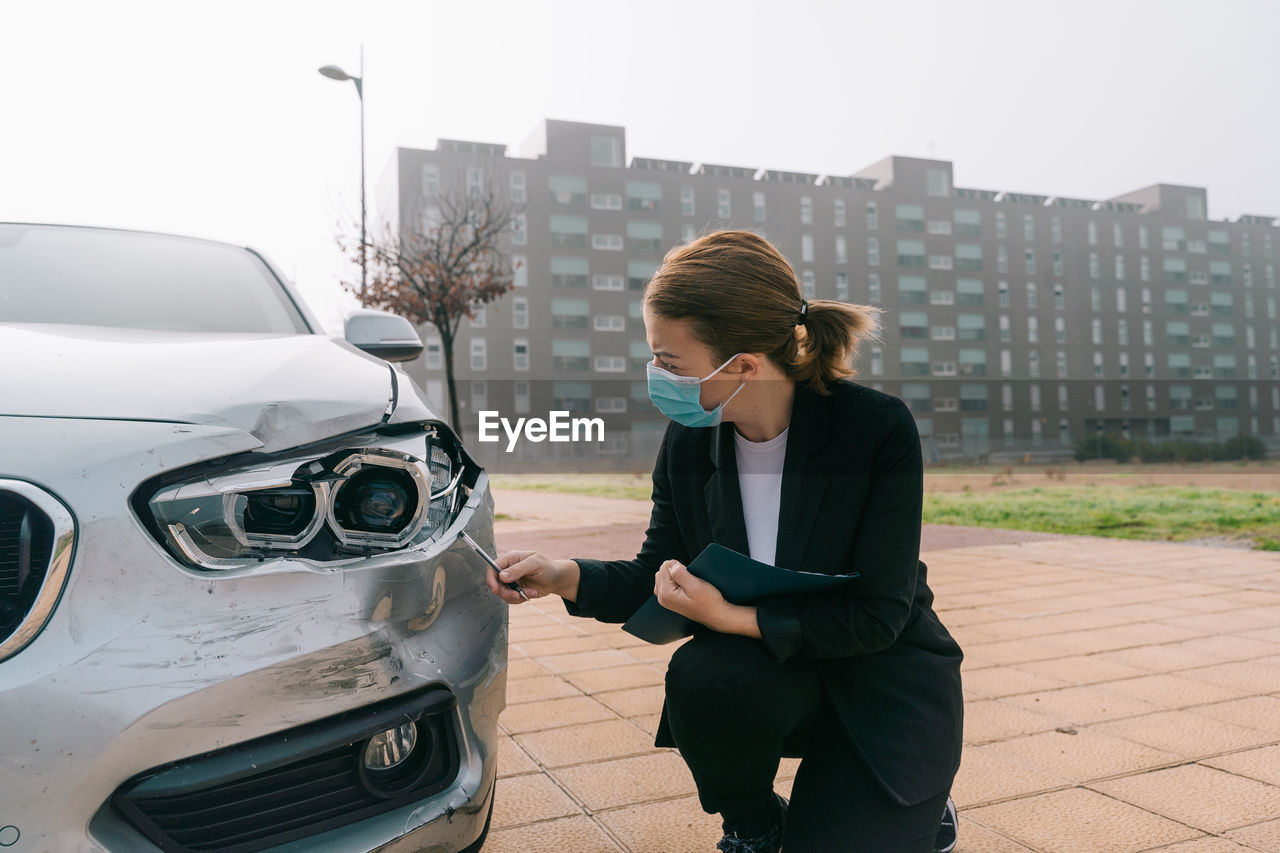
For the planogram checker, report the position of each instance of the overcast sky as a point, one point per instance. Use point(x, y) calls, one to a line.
point(210, 119)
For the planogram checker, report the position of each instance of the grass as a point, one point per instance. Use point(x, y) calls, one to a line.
point(1172, 513)
point(634, 486)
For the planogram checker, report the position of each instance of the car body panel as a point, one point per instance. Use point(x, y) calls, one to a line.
point(145, 661)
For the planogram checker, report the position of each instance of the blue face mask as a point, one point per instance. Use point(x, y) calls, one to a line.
point(677, 396)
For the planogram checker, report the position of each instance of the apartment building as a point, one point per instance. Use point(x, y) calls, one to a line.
point(1014, 322)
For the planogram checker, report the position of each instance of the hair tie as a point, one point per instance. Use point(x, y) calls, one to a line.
point(804, 313)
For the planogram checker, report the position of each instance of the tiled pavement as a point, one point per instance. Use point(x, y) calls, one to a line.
point(1121, 696)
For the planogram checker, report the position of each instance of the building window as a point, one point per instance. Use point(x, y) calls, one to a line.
point(519, 230)
point(478, 317)
point(606, 151)
point(609, 323)
point(1057, 263)
point(842, 249)
point(1093, 233)
point(1097, 366)
point(607, 242)
point(520, 354)
point(1055, 228)
point(610, 364)
point(1062, 374)
point(1122, 332)
point(724, 207)
point(475, 181)
point(877, 361)
point(808, 284)
point(520, 313)
point(606, 201)
point(518, 194)
point(937, 183)
point(1060, 330)
point(1005, 334)
point(1095, 268)
point(873, 251)
point(479, 359)
point(1144, 268)
point(1117, 235)
point(1119, 267)
point(1095, 298)
point(1028, 228)
point(1002, 259)
point(873, 216)
point(435, 354)
point(1002, 293)
point(519, 270)
point(1032, 301)
point(873, 287)
point(842, 286)
point(1031, 261)
point(1143, 238)
point(608, 281)
point(430, 180)
point(1059, 298)
point(1002, 227)
point(686, 201)
point(570, 313)
point(687, 233)
point(757, 206)
point(1121, 299)
point(909, 217)
point(806, 210)
point(1033, 330)
point(838, 213)
point(1097, 331)
point(806, 248)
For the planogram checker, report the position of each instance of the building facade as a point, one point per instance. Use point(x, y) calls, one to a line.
point(1013, 323)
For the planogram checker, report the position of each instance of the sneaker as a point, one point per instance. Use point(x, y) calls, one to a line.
point(767, 842)
point(945, 841)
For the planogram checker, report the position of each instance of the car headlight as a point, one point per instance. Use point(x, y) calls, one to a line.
point(371, 495)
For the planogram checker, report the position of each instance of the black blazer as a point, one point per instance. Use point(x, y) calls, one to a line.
point(852, 494)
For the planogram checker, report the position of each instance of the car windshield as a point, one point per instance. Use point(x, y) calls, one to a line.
point(99, 277)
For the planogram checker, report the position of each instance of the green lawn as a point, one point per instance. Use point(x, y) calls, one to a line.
point(1174, 513)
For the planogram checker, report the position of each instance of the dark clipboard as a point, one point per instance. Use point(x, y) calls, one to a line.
point(740, 579)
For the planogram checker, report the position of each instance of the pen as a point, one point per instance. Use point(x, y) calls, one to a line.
point(462, 534)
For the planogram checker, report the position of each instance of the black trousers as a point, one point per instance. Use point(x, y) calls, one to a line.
point(735, 711)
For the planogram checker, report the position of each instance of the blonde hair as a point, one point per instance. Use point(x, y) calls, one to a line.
point(739, 294)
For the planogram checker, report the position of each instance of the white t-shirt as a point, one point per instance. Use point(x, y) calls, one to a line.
point(760, 480)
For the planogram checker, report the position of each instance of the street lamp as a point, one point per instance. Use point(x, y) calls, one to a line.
point(333, 72)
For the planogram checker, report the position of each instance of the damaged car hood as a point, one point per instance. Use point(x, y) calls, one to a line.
point(285, 390)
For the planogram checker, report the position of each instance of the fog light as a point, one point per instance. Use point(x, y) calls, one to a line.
point(390, 748)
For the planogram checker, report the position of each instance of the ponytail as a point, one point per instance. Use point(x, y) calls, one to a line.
point(739, 294)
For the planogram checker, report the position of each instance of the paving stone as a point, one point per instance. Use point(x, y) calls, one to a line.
point(1205, 844)
point(1007, 681)
point(542, 687)
point(586, 742)
point(986, 776)
point(615, 678)
point(1261, 836)
point(626, 781)
point(1082, 669)
point(1250, 676)
point(1082, 756)
point(530, 798)
point(1262, 764)
point(524, 668)
point(1184, 733)
point(553, 713)
point(1209, 799)
point(975, 838)
point(1080, 821)
point(512, 760)
point(1173, 691)
point(565, 835)
point(599, 659)
point(669, 826)
point(561, 646)
point(636, 701)
point(1255, 712)
point(995, 719)
point(1083, 704)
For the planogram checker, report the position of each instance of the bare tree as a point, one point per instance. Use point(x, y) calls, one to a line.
point(441, 264)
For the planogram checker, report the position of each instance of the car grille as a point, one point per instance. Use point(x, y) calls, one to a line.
point(289, 785)
point(26, 545)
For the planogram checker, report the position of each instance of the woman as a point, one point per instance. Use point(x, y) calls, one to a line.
point(775, 454)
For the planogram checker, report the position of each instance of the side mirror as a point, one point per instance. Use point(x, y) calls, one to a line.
point(386, 335)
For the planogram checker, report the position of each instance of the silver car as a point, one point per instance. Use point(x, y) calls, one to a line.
point(235, 613)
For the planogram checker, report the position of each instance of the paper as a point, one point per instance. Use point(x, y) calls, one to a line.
point(740, 579)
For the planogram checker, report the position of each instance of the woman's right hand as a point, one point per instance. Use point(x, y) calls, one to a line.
point(537, 573)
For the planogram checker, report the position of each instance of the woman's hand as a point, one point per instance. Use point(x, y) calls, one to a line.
point(538, 574)
point(678, 590)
